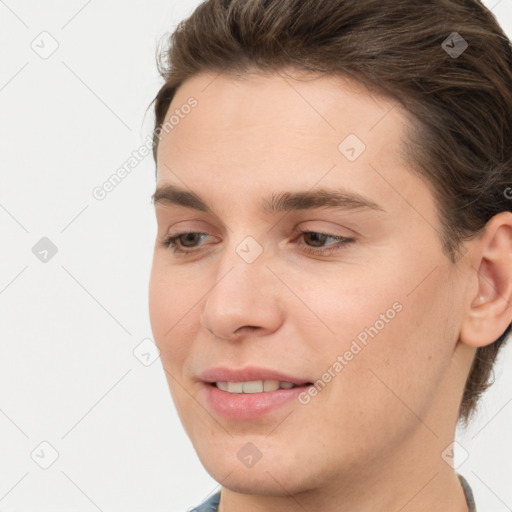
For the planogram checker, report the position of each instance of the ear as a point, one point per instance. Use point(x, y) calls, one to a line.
point(489, 310)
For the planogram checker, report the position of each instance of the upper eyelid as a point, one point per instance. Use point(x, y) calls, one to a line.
point(271, 224)
point(165, 209)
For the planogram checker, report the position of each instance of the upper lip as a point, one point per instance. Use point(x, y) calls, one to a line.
point(248, 373)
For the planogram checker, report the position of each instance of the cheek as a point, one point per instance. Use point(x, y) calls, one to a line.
point(171, 311)
point(172, 320)
point(395, 333)
point(352, 304)
point(414, 360)
point(159, 303)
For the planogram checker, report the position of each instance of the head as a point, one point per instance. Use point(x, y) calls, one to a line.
point(307, 96)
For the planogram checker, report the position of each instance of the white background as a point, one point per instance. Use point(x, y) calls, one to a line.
point(68, 375)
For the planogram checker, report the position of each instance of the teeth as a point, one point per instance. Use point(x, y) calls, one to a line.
point(253, 386)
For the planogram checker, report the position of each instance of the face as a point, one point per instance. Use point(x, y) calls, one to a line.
point(351, 293)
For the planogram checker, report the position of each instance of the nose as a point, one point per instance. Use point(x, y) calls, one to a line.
point(244, 298)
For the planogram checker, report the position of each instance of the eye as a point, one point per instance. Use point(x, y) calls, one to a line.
point(175, 242)
point(184, 243)
point(319, 238)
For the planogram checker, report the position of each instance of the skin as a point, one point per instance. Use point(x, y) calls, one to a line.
point(372, 439)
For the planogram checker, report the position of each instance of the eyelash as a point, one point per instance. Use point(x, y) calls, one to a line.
point(170, 242)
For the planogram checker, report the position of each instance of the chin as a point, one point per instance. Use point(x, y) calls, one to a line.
point(252, 481)
point(275, 475)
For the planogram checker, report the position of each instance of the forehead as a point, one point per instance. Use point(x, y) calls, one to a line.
point(287, 105)
point(268, 131)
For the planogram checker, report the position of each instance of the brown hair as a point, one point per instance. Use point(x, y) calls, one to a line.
point(461, 138)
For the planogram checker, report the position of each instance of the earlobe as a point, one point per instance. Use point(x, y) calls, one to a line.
point(490, 309)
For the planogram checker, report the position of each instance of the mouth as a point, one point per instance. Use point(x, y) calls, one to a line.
point(249, 400)
point(250, 392)
point(255, 386)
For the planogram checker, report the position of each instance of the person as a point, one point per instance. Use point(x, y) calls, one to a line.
point(331, 279)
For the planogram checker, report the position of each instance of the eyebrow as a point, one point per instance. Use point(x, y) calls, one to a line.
point(280, 202)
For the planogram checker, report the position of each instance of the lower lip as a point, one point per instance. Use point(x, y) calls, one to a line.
point(247, 406)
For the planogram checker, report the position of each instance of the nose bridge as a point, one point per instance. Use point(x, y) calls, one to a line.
point(246, 247)
point(242, 292)
point(241, 267)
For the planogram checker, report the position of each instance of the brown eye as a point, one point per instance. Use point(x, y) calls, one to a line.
point(180, 242)
point(317, 239)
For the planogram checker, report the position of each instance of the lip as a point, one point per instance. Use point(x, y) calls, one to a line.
point(247, 406)
point(248, 373)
